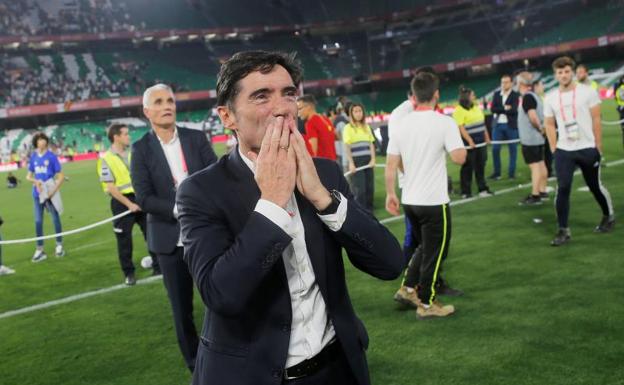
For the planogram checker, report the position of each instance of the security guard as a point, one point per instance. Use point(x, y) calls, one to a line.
point(582, 76)
point(114, 172)
point(618, 90)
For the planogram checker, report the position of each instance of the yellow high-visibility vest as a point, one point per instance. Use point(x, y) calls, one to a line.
point(619, 95)
point(120, 170)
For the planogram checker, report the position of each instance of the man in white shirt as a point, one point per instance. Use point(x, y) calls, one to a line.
point(161, 160)
point(576, 142)
point(265, 246)
point(418, 146)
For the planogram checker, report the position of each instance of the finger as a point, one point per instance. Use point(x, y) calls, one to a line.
point(266, 140)
point(299, 146)
point(285, 136)
point(252, 156)
point(276, 134)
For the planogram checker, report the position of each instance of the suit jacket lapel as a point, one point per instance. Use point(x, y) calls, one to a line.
point(187, 149)
point(245, 189)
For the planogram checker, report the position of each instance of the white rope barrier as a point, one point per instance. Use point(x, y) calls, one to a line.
point(104, 221)
point(69, 232)
point(346, 174)
point(613, 122)
point(512, 141)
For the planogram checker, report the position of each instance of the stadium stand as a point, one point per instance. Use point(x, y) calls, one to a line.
point(104, 71)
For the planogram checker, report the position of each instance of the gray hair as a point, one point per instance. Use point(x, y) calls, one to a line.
point(156, 87)
point(525, 78)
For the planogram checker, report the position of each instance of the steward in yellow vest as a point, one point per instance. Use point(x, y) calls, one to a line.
point(618, 88)
point(114, 172)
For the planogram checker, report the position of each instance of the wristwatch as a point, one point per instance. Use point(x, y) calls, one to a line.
point(333, 206)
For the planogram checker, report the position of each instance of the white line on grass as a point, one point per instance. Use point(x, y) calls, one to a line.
point(77, 297)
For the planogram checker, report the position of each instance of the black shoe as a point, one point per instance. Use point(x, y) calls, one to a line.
point(444, 289)
point(156, 272)
point(544, 196)
point(606, 224)
point(562, 237)
point(494, 177)
point(130, 280)
point(531, 200)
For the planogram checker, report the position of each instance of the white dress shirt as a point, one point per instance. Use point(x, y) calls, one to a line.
point(177, 164)
point(175, 157)
point(502, 118)
point(311, 329)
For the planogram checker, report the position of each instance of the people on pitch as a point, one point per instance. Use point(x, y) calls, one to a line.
point(505, 125)
point(618, 91)
point(538, 90)
point(12, 180)
point(114, 172)
point(582, 77)
point(402, 110)
point(419, 145)
point(265, 244)
point(340, 120)
point(161, 160)
point(575, 142)
point(471, 122)
point(531, 132)
point(4, 270)
point(44, 171)
point(360, 151)
point(320, 133)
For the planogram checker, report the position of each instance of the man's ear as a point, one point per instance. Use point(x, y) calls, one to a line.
point(145, 112)
point(227, 117)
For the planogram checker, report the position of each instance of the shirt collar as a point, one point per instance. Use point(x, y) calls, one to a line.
point(173, 139)
point(247, 161)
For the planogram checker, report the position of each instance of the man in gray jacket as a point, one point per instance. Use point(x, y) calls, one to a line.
point(531, 130)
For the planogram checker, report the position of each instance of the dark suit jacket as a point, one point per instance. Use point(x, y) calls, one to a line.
point(154, 186)
point(499, 108)
point(235, 257)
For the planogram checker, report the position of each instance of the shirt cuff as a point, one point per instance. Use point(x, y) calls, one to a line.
point(334, 221)
point(277, 215)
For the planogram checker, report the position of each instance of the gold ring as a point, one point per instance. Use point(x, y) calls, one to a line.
point(284, 147)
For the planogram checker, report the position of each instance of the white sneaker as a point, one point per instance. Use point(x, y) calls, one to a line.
point(5, 270)
point(59, 251)
point(39, 256)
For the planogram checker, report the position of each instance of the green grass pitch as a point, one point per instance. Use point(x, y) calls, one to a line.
point(532, 314)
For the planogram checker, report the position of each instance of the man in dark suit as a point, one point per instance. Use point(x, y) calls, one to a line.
point(265, 246)
point(161, 160)
point(505, 125)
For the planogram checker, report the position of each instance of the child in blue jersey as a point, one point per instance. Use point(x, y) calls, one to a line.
point(44, 171)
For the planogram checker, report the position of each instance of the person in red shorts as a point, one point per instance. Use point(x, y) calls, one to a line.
point(320, 132)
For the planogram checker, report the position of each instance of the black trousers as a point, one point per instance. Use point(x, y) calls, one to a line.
point(123, 233)
point(588, 160)
point(621, 111)
point(475, 163)
point(179, 285)
point(336, 372)
point(548, 158)
point(431, 228)
point(363, 183)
